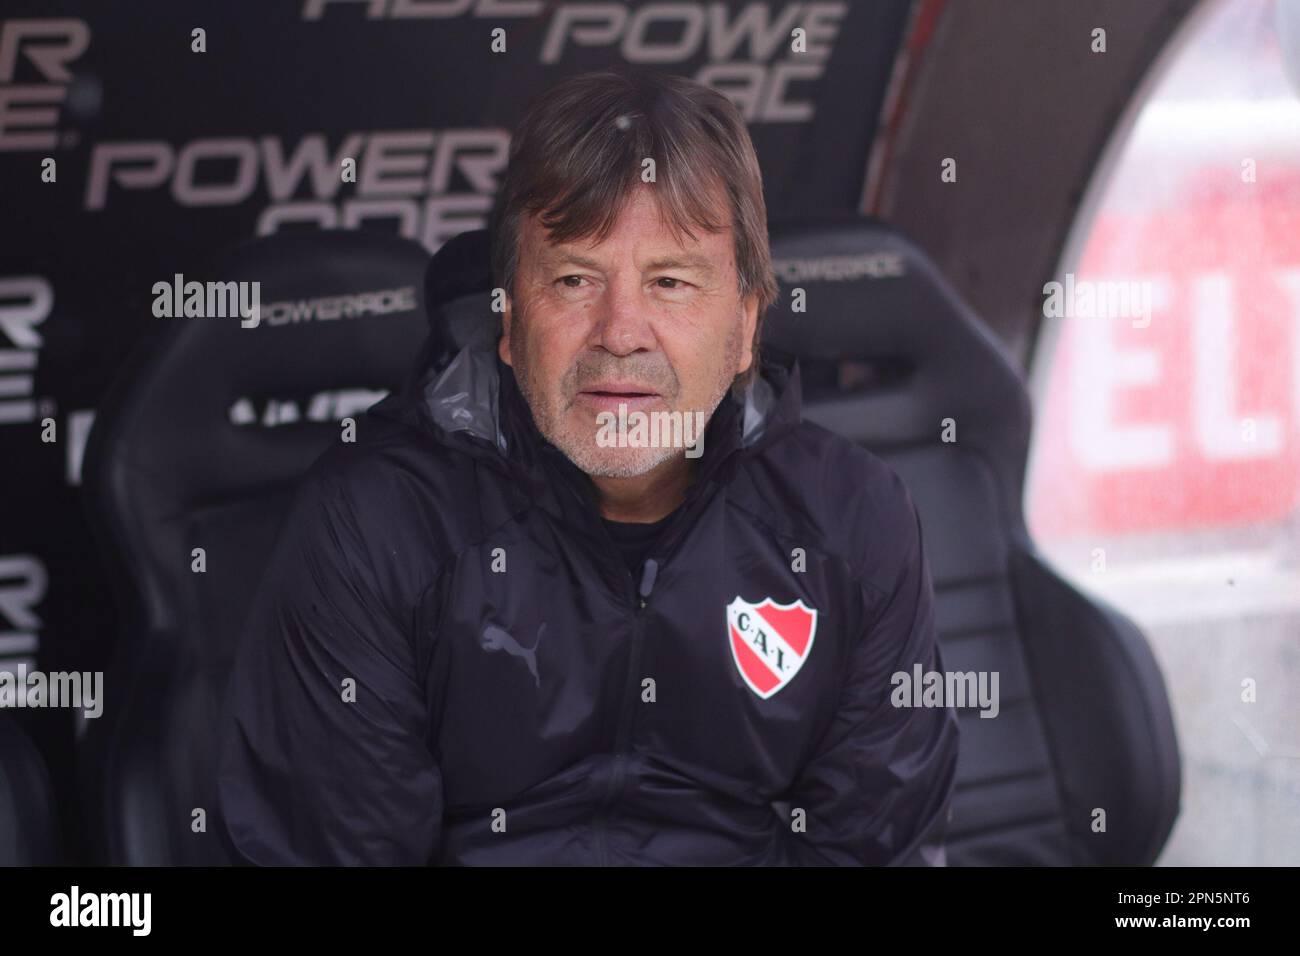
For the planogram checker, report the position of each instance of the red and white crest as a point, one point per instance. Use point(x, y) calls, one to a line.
point(770, 641)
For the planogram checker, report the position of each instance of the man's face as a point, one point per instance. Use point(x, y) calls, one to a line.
point(639, 319)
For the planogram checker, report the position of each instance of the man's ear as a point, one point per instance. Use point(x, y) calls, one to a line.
point(503, 343)
point(749, 320)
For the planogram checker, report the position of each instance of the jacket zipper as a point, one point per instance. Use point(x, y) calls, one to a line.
point(640, 597)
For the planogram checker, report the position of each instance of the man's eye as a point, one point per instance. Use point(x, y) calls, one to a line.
point(571, 285)
point(679, 283)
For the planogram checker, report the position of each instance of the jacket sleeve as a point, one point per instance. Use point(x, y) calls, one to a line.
point(323, 751)
point(878, 788)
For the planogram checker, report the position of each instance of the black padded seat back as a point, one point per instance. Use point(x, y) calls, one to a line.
point(200, 444)
point(29, 827)
point(459, 292)
point(893, 359)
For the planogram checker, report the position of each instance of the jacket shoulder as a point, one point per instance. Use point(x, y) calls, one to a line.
point(407, 499)
point(854, 503)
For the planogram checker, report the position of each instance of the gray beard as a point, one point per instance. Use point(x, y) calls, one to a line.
point(599, 462)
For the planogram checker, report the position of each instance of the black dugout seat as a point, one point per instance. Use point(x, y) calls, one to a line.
point(889, 356)
point(887, 353)
point(29, 829)
point(199, 444)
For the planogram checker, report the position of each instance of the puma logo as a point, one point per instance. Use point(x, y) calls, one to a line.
point(498, 639)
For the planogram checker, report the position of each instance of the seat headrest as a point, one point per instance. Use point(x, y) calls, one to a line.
point(341, 315)
point(887, 350)
point(458, 296)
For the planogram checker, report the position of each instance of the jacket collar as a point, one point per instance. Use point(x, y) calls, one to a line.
point(474, 404)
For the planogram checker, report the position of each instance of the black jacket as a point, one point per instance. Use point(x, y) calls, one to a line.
point(448, 661)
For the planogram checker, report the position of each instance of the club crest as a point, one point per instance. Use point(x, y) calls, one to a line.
point(770, 641)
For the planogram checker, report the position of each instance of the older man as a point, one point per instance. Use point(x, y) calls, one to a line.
point(599, 596)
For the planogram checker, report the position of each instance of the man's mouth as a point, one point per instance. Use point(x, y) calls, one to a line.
point(607, 397)
point(632, 392)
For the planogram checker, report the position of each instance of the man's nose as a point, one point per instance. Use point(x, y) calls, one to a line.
point(623, 318)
